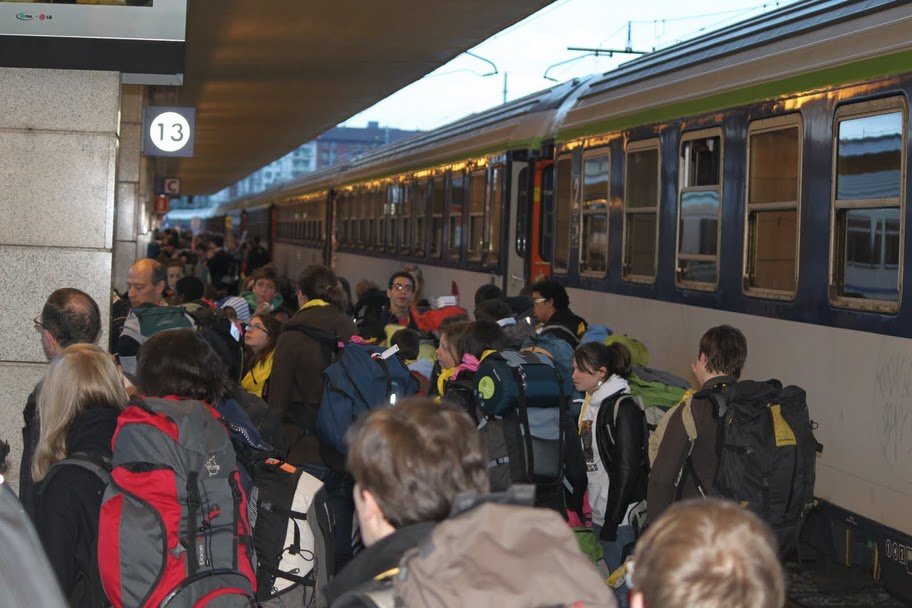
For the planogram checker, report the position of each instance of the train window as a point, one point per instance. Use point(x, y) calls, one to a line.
point(394, 206)
point(641, 210)
point(476, 236)
point(495, 213)
point(454, 214)
point(773, 191)
point(420, 215)
point(869, 164)
point(438, 198)
point(699, 207)
point(563, 200)
point(405, 216)
point(379, 207)
point(594, 214)
point(358, 221)
point(523, 207)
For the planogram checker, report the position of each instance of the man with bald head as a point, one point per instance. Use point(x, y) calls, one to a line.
point(69, 316)
point(146, 283)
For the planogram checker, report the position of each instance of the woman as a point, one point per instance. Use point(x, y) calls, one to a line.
point(447, 356)
point(81, 397)
point(260, 341)
point(478, 339)
point(612, 434)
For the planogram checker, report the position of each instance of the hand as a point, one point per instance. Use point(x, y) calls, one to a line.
point(263, 309)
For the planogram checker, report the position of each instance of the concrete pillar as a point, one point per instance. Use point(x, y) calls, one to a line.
point(58, 156)
point(129, 196)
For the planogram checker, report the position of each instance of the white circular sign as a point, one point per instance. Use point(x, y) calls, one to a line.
point(169, 131)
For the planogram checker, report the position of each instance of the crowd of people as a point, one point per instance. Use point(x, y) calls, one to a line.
point(406, 465)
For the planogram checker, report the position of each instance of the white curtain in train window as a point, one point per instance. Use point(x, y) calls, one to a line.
point(869, 161)
point(700, 202)
point(594, 213)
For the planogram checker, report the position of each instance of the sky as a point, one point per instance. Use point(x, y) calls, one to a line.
point(524, 52)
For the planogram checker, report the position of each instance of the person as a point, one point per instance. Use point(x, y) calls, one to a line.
point(720, 358)
point(551, 307)
point(296, 383)
point(708, 553)
point(397, 503)
point(479, 339)
point(260, 340)
point(81, 397)
point(418, 298)
point(174, 269)
point(516, 331)
point(146, 283)
point(264, 296)
point(488, 291)
point(69, 316)
point(613, 439)
point(447, 354)
point(401, 294)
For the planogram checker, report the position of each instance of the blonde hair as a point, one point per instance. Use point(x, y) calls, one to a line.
point(83, 377)
point(708, 553)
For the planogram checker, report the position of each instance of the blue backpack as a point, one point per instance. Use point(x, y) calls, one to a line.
point(560, 352)
point(359, 380)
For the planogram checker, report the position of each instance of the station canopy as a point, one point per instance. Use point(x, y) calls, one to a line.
point(266, 77)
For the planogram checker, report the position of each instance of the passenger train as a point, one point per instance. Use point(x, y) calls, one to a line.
point(757, 176)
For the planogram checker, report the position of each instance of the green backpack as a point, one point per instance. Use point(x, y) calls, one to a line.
point(639, 354)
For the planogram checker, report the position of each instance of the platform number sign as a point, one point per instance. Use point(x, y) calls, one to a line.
point(168, 131)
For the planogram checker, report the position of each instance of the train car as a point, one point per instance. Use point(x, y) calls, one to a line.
point(758, 176)
point(755, 176)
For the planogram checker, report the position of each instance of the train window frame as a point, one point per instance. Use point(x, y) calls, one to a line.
point(634, 147)
point(760, 126)
point(393, 216)
point(421, 226)
point(378, 198)
point(404, 237)
point(589, 154)
point(475, 176)
point(435, 230)
point(569, 157)
point(455, 219)
point(856, 110)
point(523, 212)
point(495, 196)
point(686, 137)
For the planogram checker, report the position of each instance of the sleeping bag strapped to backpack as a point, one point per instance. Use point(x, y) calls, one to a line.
point(293, 535)
point(767, 454)
point(561, 354)
point(362, 377)
point(173, 529)
point(521, 404)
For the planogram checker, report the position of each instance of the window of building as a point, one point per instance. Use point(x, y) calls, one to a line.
point(641, 211)
point(594, 212)
point(563, 201)
point(477, 204)
point(699, 209)
point(773, 205)
point(870, 166)
point(438, 198)
point(454, 215)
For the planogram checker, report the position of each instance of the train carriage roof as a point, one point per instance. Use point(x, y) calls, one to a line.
point(797, 48)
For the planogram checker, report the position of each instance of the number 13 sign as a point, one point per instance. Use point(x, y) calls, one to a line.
point(168, 131)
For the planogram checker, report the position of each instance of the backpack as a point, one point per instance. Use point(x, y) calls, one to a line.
point(430, 320)
point(293, 535)
point(173, 529)
point(218, 330)
point(596, 332)
point(363, 377)
point(639, 354)
point(485, 556)
point(657, 392)
point(89, 588)
point(146, 321)
point(767, 454)
point(520, 407)
point(559, 351)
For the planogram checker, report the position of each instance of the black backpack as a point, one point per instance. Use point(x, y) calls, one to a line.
point(767, 454)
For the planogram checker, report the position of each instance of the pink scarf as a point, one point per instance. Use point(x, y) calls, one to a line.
point(469, 362)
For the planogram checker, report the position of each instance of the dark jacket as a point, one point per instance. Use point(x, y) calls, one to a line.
point(623, 455)
point(30, 433)
point(296, 383)
point(382, 556)
point(672, 454)
point(566, 319)
point(69, 502)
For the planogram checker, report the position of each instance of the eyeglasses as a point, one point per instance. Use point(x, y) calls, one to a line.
point(39, 326)
point(261, 328)
point(539, 300)
point(402, 287)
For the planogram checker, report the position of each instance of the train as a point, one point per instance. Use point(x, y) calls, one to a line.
point(755, 176)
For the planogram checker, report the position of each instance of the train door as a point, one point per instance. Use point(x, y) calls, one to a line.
point(540, 222)
point(518, 212)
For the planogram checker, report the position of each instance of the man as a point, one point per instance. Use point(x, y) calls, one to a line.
point(69, 316)
point(707, 553)
point(401, 293)
point(551, 307)
point(146, 283)
point(720, 358)
point(175, 272)
point(397, 503)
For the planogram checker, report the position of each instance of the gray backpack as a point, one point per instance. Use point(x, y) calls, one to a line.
point(173, 530)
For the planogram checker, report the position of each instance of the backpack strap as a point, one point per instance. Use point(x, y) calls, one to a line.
point(328, 341)
point(574, 340)
point(99, 465)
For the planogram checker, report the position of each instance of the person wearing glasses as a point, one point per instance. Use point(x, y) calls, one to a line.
point(260, 342)
point(551, 307)
point(69, 316)
point(401, 294)
point(710, 553)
